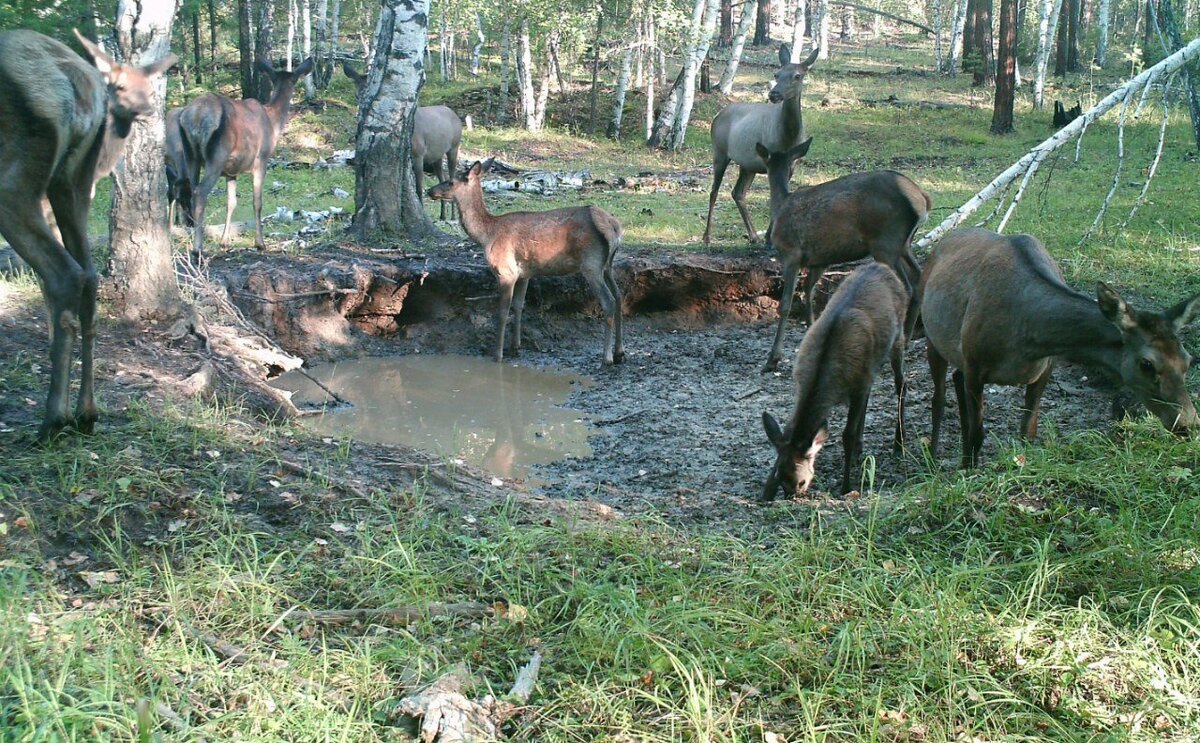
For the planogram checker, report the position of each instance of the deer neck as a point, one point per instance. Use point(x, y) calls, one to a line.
point(1072, 326)
point(280, 105)
point(791, 119)
point(474, 216)
point(778, 179)
point(112, 144)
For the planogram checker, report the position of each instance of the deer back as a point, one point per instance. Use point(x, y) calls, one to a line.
point(436, 131)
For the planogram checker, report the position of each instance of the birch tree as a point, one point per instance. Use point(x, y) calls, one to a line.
point(1048, 12)
point(954, 61)
point(614, 124)
point(704, 25)
point(823, 27)
point(525, 77)
point(1102, 33)
point(739, 44)
point(798, 30)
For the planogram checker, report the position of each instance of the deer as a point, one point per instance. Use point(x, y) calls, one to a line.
point(837, 363)
point(871, 214)
point(229, 138)
point(179, 188)
point(997, 308)
point(778, 126)
point(65, 121)
point(523, 245)
point(437, 134)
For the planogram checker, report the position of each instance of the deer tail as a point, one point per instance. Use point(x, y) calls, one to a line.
point(609, 229)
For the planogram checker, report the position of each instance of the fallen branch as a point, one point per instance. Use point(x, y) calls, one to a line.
point(447, 716)
point(397, 615)
point(744, 395)
point(896, 18)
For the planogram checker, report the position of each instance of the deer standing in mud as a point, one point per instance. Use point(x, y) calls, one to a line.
point(778, 126)
point(437, 134)
point(229, 138)
point(997, 309)
point(837, 362)
point(522, 245)
point(65, 123)
point(849, 218)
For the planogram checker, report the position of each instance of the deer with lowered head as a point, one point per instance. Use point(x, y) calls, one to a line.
point(997, 309)
point(836, 364)
point(228, 138)
point(65, 124)
point(740, 127)
point(437, 134)
point(849, 218)
point(522, 245)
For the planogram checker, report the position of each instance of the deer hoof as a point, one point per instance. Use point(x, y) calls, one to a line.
point(771, 365)
point(618, 357)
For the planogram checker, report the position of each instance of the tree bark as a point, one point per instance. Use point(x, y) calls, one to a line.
point(762, 24)
point(477, 50)
point(245, 51)
point(704, 23)
point(618, 111)
point(1102, 33)
point(725, 38)
point(310, 91)
point(1006, 77)
point(739, 44)
point(264, 27)
point(197, 55)
point(140, 265)
point(650, 74)
point(799, 29)
point(323, 62)
point(1189, 71)
point(334, 30)
point(525, 78)
point(823, 20)
point(386, 197)
point(957, 38)
point(984, 69)
point(505, 68)
point(665, 122)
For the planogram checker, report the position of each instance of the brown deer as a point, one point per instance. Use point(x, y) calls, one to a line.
point(64, 121)
point(229, 138)
point(837, 363)
point(778, 126)
point(522, 245)
point(437, 134)
point(863, 214)
point(997, 309)
point(179, 188)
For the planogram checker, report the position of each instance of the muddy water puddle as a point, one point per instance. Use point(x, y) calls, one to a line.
point(502, 417)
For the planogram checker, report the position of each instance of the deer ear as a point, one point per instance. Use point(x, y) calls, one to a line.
point(1184, 313)
point(819, 440)
point(1114, 309)
point(785, 54)
point(304, 68)
point(774, 433)
point(800, 150)
point(475, 170)
point(103, 62)
point(265, 66)
point(161, 66)
point(811, 57)
point(763, 152)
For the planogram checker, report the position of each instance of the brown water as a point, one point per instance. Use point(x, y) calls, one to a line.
point(502, 417)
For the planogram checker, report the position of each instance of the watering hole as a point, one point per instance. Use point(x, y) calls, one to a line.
point(504, 418)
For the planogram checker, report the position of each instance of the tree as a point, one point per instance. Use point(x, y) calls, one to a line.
point(245, 50)
point(1048, 14)
point(762, 24)
point(983, 65)
point(739, 43)
point(264, 18)
point(386, 198)
point(140, 264)
point(1006, 76)
point(704, 23)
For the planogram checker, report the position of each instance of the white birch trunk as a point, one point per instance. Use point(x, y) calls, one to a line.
point(477, 50)
point(291, 34)
point(1102, 40)
point(334, 30)
point(321, 70)
point(704, 25)
point(525, 78)
point(1030, 162)
point(306, 38)
point(823, 27)
point(937, 34)
point(798, 30)
point(639, 60)
point(618, 112)
point(505, 67)
point(739, 44)
point(443, 45)
point(651, 50)
point(956, 35)
point(1047, 30)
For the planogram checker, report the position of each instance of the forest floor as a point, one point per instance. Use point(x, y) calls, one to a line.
point(1051, 594)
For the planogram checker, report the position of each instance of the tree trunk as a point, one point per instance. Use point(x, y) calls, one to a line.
point(823, 19)
point(1006, 77)
point(725, 39)
point(618, 112)
point(323, 64)
point(140, 265)
point(291, 35)
point(762, 24)
point(798, 30)
point(1102, 33)
point(386, 197)
point(937, 34)
point(212, 36)
point(650, 75)
point(443, 44)
point(543, 95)
point(263, 49)
point(595, 73)
point(525, 78)
point(197, 56)
point(477, 50)
point(968, 37)
point(739, 44)
point(1048, 14)
point(1189, 71)
point(957, 37)
point(334, 29)
point(666, 114)
point(704, 24)
point(505, 68)
point(1073, 37)
point(985, 68)
point(246, 51)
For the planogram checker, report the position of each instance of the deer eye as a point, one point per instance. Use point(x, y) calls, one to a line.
point(797, 75)
point(1145, 366)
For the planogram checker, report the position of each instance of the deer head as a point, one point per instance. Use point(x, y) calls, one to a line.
point(129, 88)
point(789, 80)
point(447, 190)
point(1154, 364)
point(796, 460)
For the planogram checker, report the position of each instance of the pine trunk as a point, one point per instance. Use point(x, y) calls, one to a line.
point(265, 20)
point(725, 39)
point(246, 51)
point(984, 68)
point(386, 197)
point(1006, 77)
point(196, 53)
point(762, 24)
point(739, 44)
point(140, 265)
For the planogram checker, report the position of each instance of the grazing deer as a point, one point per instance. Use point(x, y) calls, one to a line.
point(437, 134)
point(229, 138)
point(998, 310)
point(837, 363)
point(521, 245)
point(863, 214)
point(739, 127)
point(64, 121)
point(179, 188)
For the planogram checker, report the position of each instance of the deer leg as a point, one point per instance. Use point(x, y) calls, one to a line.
point(518, 305)
point(608, 304)
point(230, 205)
point(259, 175)
point(718, 175)
point(811, 277)
point(200, 204)
point(852, 438)
point(937, 370)
point(790, 273)
point(1033, 403)
point(441, 177)
point(506, 294)
point(973, 387)
point(745, 178)
point(898, 377)
point(611, 282)
point(452, 169)
point(71, 202)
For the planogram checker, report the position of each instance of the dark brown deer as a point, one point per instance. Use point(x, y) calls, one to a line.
point(179, 188)
point(228, 138)
point(437, 134)
point(863, 214)
point(64, 121)
point(836, 364)
point(998, 310)
point(522, 245)
point(778, 126)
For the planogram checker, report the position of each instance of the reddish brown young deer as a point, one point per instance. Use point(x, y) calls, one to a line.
point(522, 245)
point(778, 125)
point(837, 363)
point(179, 188)
point(437, 134)
point(849, 218)
point(228, 138)
point(64, 121)
point(997, 309)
